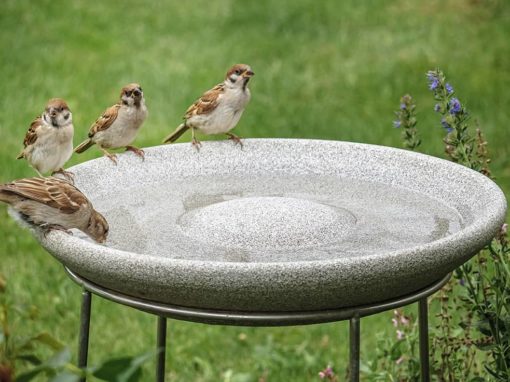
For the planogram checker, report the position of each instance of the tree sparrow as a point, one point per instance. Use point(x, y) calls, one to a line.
point(218, 110)
point(52, 203)
point(49, 140)
point(118, 125)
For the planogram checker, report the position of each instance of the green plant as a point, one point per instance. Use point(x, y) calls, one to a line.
point(486, 278)
point(474, 307)
point(16, 348)
point(396, 357)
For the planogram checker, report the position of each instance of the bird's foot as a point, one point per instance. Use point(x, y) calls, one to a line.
point(137, 151)
point(110, 156)
point(196, 143)
point(236, 139)
point(68, 175)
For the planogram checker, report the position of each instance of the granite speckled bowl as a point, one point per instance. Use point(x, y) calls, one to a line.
point(281, 225)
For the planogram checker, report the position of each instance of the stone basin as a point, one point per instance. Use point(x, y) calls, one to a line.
point(280, 225)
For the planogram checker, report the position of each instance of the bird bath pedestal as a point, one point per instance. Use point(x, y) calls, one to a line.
point(282, 232)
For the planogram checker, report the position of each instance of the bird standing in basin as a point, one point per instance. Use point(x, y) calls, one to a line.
point(49, 140)
point(218, 110)
point(118, 125)
point(52, 203)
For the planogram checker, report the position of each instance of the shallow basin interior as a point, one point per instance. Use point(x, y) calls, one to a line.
point(272, 218)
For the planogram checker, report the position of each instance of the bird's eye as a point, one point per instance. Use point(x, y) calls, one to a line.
point(128, 93)
point(60, 109)
point(238, 71)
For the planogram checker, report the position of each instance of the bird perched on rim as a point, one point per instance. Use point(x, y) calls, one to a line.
point(52, 203)
point(118, 125)
point(219, 109)
point(49, 140)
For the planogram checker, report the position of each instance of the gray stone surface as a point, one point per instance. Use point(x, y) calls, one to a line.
point(282, 225)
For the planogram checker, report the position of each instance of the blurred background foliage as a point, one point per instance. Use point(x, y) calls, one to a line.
point(324, 70)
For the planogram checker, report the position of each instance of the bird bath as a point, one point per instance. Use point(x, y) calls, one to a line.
point(279, 226)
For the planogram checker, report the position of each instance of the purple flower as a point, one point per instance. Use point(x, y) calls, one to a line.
point(462, 282)
point(434, 84)
point(397, 124)
point(403, 106)
point(446, 125)
point(455, 106)
point(449, 88)
point(431, 76)
point(404, 320)
point(394, 322)
point(400, 335)
point(433, 80)
point(437, 108)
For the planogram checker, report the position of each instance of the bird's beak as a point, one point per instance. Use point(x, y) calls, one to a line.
point(248, 74)
point(54, 120)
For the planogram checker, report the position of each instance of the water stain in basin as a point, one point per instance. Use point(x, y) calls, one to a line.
point(442, 228)
point(337, 217)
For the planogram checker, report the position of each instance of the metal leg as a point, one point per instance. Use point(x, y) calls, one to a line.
point(83, 342)
point(161, 344)
point(354, 340)
point(424, 339)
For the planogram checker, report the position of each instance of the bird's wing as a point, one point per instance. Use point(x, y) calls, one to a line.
point(105, 121)
point(33, 131)
point(207, 103)
point(51, 191)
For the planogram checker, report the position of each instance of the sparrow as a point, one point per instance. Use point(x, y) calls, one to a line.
point(118, 125)
point(52, 203)
point(218, 110)
point(49, 140)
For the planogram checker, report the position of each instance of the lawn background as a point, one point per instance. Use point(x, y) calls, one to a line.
point(324, 69)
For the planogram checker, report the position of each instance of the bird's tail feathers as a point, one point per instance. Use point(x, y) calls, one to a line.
point(177, 133)
point(84, 146)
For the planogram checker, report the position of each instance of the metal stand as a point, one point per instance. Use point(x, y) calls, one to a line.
point(354, 342)
point(161, 346)
point(83, 341)
point(215, 317)
point(424, 339)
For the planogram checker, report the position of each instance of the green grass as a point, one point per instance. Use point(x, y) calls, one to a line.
point(329, 70)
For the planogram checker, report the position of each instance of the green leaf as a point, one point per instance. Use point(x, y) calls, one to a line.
point(49, 340)
point(26, 377)
point(57, 361)
point(43, 338)
point(127, 369)
point(65, 376)
point(109, 370)
point(31, 358)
